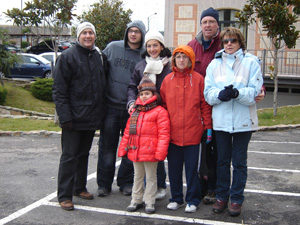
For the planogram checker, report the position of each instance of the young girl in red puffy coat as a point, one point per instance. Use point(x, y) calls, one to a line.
point(145, 142)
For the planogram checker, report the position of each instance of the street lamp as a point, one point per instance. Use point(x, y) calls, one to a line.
point(149, 19)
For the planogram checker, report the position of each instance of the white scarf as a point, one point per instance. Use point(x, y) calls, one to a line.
point(154, 67)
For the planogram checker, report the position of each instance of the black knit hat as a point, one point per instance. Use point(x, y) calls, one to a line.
point(146, 84)
point(210, 12)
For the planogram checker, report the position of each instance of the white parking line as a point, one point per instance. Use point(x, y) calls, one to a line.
point(277, 142)
point(274, 170)
point(275, 153)
point(47, 199)
point(144, 215)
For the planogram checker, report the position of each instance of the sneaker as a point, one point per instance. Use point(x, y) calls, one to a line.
point(219, 206)
point(127, 190)
point(174, 205)
point(102, 192)
point(209, 198)
point(133, 207)
point(161, 193)
point(149, 209)
point(235, 209)
point(190, 208)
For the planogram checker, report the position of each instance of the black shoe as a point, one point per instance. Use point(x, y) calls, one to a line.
point(102, 192)
point(127, 190)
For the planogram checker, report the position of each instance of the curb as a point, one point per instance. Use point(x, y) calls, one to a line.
point(47, 133)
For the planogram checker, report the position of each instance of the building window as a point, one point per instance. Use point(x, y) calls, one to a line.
point(227, 19)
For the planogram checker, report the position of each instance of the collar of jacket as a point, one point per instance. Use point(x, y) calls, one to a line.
point(214, 38)
point(84, 49)
point(184, 73)
point(150, 100)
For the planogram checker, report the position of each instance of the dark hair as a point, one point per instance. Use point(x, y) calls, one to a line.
point(232, 31)
point(164, 53)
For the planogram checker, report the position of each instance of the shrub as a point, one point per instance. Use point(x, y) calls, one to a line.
point(3, 93)
point(42, 89)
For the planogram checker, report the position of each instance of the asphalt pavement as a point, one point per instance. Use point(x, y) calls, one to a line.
point(29, 165)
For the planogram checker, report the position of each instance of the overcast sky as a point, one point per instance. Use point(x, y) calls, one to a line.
point(142, 10)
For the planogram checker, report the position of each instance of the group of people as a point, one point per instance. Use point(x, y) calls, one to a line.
point(195, 106)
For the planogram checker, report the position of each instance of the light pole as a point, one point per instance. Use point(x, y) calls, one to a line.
point(149, 19)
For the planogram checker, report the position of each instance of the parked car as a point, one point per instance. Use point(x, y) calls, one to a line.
point(44, 46)
point(31, 66)
point(11, 48)
point(65, 44)
point(50, 56)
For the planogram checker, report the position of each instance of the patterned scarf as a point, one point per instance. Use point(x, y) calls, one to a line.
point(133, 120)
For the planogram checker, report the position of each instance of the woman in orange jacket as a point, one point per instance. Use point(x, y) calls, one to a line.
point(190, 116)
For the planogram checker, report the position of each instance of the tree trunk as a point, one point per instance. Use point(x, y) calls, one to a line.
point(275, 105)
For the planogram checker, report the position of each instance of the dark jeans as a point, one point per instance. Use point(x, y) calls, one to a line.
point(73, 166)
point(232, 147)
point(114, 122)
point(187, 155)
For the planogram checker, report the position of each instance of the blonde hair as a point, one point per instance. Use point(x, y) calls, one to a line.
point(232, 31)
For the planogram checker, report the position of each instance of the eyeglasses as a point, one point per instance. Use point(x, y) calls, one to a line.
point(231, 40)
point(134, 31)
point(181, 57)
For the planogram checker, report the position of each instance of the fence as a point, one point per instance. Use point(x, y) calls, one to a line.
point(288, 62)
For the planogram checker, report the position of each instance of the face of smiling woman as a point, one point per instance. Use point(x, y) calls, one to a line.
point(87, 38)
point(154, 48)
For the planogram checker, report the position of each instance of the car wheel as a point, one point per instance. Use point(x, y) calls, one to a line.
point(48, 74)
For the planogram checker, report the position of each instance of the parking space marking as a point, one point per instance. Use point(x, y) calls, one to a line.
point(273, 192)
point(275, 153)
point(27, 209)
point(274, 170)
point(144, 215)
point(277, 142)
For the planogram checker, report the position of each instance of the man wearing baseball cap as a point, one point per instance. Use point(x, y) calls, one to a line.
point(78, 93)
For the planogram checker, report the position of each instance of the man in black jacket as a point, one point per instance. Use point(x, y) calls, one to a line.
point(78, 93)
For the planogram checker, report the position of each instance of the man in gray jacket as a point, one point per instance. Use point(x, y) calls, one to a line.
point(122, 57)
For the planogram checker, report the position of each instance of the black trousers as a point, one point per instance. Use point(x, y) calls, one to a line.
point(73, 166)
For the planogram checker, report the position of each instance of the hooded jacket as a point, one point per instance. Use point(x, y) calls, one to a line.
point(244, 73)
point(204, 57)
point(122, 60)
point(182, 94)
point(152, 135)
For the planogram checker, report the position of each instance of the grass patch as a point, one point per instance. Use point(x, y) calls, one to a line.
point(22, 98)
point(8, 124)
point(285, 115)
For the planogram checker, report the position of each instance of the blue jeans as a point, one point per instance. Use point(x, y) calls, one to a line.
point(232, 147)
point(73, 166)
point(187, 155)
point(114, 122)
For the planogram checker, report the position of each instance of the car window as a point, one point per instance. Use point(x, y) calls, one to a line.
point(48, 57)
point(28, 59)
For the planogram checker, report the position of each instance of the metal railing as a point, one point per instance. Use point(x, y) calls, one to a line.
point(288, 62)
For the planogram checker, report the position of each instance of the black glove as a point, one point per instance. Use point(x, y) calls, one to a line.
point(67, 125)
point(235, 93)
point(228, 93)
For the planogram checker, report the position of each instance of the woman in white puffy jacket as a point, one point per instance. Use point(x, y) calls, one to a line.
point(233, 80)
